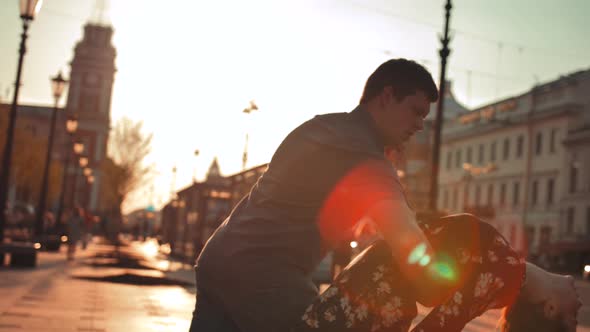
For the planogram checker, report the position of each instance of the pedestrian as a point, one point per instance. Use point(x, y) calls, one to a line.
point(254, 273)
point(49, 224)
point(88, 221)
point(75, 224)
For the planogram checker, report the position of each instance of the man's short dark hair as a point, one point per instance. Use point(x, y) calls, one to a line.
point(405, 76)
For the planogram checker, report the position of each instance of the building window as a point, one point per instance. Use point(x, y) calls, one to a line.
point(458, 159)
point(445, 198)
point(468, 155)
point(534, 193)
point(465, 196)
point(530, 235)
point(539, 144)
point(455, 197)
point(573, 178)
point(480, 154)
point(545, 235)
point(477, 194)
point(519, 146)
point(506, 152)
point(571, 215)
point(552, 139)
point(550, 188)
point(449, 159)
point(516, 193)
point(588, 220)
point(493, 151)
point(503, 194)
point(490, 194)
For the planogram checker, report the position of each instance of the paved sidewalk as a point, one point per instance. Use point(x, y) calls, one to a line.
point(63, 296)
point(52, 298)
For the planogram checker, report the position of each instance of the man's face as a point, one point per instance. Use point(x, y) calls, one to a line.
point(397, 120)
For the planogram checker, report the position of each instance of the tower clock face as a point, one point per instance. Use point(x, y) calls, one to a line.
point(91, 79)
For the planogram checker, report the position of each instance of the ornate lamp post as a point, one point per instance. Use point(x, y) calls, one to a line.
point(83, 162)
point(444, 53)
point(89, 182)
point(71, 127)
point(58, 84)
point(28, 10)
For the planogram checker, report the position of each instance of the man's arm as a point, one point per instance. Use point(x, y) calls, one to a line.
point(410, 249)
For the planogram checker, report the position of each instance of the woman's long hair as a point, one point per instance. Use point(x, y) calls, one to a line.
point(524, 316)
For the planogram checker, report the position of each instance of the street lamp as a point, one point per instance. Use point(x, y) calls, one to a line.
point(195, 170)
point(79, 148)
point(87, 171)
point(82, 162)
point(28, 10)
point(58, 84)
point(89, 182)
point(252, 107)
point(439, 118)
point(71, 127)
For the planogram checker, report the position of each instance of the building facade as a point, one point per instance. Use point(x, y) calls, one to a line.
point(414, 163)
point(89, 99)
point(524, 164)
point(194, 214)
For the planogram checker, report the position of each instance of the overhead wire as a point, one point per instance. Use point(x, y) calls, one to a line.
point(521, 47)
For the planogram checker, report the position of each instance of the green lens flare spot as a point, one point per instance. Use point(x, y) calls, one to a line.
point(444, 271)
point(417, 253)
point(424, 260)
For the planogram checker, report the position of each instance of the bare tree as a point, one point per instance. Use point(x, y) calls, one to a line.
point(125, 169)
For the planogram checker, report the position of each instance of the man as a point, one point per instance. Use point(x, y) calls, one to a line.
point(256, 267)
point(254, 274)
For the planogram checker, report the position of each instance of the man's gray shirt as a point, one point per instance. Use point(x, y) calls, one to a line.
point(321, 179)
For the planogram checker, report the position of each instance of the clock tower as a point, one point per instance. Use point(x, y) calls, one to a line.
point(89, 99)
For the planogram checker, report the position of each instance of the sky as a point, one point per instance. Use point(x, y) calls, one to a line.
point(188, 68)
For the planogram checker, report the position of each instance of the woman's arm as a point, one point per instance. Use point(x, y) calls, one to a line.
point(411, 250)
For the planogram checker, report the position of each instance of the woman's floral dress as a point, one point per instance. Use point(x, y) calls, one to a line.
point(372, 295)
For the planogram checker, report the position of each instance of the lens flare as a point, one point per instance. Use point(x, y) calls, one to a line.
point(417, 253)
point(424, 260)
point(353, 193)
point(444, 270)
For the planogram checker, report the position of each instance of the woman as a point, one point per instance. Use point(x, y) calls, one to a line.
point(482, 270)
point(75, 224)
